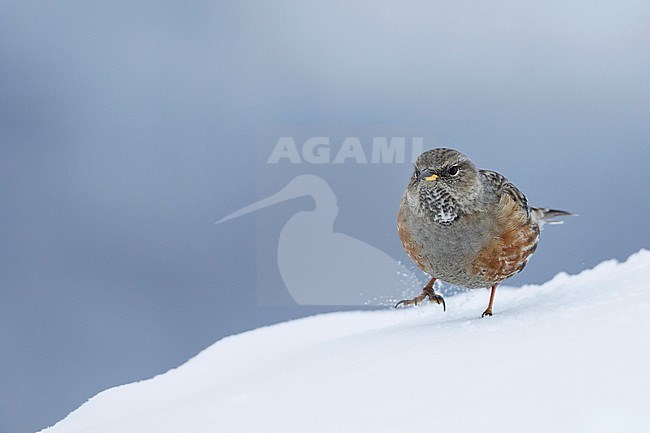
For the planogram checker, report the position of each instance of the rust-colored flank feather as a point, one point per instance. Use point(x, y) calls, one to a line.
point(515, 240)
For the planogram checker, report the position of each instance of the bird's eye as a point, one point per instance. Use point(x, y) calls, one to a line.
point(454, 170)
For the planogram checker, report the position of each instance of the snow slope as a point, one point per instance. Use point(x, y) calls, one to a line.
point(571, 355)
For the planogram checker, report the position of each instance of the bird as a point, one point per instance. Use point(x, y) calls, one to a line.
point(466, 226)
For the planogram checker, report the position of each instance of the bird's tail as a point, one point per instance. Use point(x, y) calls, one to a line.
point(544, 215)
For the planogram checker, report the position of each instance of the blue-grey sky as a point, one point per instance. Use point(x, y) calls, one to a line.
point(127, 129)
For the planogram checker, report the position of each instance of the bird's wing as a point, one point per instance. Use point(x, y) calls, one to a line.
point(502, 186)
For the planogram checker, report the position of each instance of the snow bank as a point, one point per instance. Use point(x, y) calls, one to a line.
point(571, 355)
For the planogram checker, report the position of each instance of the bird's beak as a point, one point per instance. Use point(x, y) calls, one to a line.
point(428, 175)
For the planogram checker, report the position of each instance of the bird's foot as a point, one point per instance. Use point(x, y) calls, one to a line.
point(426, 293)
point(487, 312)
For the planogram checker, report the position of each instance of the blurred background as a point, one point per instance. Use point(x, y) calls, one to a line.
point(128, 128)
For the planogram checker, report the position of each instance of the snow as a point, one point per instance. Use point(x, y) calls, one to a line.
point(571, 355)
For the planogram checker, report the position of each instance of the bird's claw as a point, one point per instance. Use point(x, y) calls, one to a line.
point(439, 300)
point(407, 302)
point(433, 297)
point(487, 312)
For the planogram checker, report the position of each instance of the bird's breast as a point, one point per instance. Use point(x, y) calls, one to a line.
point(444, 251)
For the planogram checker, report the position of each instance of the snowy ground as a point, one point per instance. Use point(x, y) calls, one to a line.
point(571, 355)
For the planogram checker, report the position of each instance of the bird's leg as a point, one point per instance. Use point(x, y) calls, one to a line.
point(488, 311)
point(427, 292)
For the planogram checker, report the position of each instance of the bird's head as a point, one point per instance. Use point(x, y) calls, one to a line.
point(444, 182)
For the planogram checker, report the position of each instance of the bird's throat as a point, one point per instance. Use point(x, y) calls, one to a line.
point(440, 204)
